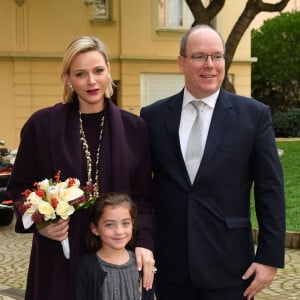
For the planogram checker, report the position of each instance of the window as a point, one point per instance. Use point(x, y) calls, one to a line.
point(174, 14)
point(155, 86)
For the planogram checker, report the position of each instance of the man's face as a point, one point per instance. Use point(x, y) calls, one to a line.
point(203, 77)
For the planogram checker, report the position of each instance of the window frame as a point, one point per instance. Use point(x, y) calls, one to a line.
point(164, 13)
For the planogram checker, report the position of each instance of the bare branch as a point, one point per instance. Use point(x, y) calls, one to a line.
point(252, 8)
point(279, 6)
point(204, 15)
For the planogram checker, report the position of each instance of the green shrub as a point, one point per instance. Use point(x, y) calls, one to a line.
point(291, 170)
point(287, 123)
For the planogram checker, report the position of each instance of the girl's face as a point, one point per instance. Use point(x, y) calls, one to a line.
point(89, 76)
point(114, 227)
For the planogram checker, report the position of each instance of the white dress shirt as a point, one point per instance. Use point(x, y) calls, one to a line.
point(188, 115)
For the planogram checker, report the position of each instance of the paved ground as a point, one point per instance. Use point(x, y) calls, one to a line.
point(15, 250)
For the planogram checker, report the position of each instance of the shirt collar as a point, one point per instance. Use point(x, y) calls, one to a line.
point(209, 101)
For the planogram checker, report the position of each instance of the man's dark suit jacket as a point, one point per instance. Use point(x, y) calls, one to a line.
point(205, 228)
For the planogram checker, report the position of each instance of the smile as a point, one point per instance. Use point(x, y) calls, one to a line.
point(208, 76)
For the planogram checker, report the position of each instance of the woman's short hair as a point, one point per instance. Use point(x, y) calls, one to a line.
point(81, 45)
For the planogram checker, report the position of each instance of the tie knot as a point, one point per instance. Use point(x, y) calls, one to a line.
point(198, 105)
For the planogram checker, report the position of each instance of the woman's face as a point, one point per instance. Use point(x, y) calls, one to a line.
point(89, 77)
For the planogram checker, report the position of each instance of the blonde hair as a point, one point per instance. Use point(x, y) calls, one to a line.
point(81, 45)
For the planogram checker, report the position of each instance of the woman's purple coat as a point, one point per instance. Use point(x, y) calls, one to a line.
point(50, 142)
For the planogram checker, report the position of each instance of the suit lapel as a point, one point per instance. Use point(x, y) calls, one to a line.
point(220, 121)
point(173, 115)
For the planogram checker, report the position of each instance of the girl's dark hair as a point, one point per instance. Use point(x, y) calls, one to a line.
point(110, 199)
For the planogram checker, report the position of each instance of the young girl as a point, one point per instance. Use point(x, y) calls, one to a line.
point(110, 271)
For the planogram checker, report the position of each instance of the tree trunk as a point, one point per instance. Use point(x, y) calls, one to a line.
point(227, 85)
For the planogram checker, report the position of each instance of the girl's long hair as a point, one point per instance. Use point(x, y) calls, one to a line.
point(110, 199)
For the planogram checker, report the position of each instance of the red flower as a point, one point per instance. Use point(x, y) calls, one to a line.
point(54, 203)
point(26, 193)
point(40, 193)
point(72, 181)
point(37, 217)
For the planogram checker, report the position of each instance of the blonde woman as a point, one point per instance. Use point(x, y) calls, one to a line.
point(87, 137)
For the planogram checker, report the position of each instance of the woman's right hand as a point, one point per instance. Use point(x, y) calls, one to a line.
point(56, 231)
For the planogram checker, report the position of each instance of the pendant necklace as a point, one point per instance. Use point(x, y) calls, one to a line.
point(88, 157)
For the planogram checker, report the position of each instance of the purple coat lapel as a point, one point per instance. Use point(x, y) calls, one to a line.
point(64, 126)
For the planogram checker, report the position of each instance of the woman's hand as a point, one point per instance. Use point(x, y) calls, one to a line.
point(56, 231)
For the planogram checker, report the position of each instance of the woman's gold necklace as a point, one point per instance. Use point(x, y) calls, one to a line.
point(88, 157)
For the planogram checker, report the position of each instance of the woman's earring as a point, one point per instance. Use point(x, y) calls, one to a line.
point(71, 86)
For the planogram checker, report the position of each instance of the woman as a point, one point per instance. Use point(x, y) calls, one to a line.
point(89, 138)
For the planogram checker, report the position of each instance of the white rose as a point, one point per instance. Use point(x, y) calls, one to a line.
point(64, 209)
point(34, 199)
point(62, 185)
point(44, 185)
point(46, 210)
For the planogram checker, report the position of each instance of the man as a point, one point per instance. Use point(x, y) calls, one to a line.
point(204, 246)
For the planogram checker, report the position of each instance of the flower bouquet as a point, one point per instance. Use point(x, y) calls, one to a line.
point(51, 200)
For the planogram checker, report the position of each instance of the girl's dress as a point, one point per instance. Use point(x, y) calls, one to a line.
point(122, 281)
point(99, 280)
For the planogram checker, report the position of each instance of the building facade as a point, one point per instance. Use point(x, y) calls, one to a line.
point(142, 39)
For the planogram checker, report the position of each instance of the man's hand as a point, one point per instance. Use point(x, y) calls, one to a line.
point(145, 262)
point(263, 276)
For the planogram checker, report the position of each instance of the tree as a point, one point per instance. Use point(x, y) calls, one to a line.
point(205, 15)
point(276, 74)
